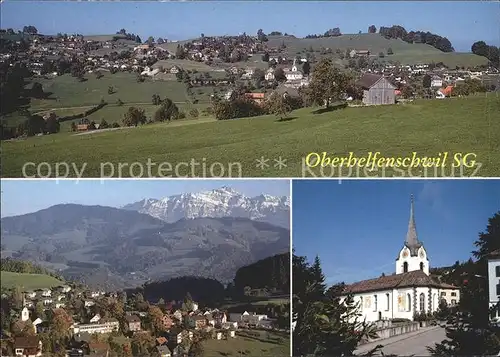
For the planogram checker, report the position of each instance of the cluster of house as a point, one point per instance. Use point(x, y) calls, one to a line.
point(179, 325)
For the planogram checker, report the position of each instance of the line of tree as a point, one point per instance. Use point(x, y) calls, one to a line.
point(492, 53)
point(334, 32)
point(205, 291)
point(399, 32)
point(128, 36)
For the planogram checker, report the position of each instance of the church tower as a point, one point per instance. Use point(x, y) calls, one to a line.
point(413, 255)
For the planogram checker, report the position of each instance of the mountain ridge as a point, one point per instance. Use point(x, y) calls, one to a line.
point(221, 202)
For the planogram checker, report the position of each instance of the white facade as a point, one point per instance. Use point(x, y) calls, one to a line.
point(494, 285)
point(25, 314)
point(107, 327)
point(451, 296)
point(436, 82)
point(293, 73)
point(269, 76)
point(406, 262)
point(397, 303)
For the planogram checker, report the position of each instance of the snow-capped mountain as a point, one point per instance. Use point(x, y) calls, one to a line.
point(222, 202)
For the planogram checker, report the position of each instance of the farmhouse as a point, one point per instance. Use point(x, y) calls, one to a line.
point(133, 323)
point(359, 53)
point(28, 346)
point(408, 292)
point(377, 90)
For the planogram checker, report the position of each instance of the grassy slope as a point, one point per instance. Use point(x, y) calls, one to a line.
point(403, 52)
point(28, 281)
point(71, 93)
point(248, 345)
point(427, 127)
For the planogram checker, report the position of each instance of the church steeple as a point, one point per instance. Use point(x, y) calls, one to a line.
point(412, 241)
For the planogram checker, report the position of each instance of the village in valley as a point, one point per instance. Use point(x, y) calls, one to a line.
point(72, 321)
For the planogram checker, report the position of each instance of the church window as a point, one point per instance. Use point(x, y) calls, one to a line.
point(453, 302)
point(388, 299)
point(421, 266)
point(374, 302)
point(453, 294)
point(497, 271)
point(498, 289)
point(361, 304)
point(408, 302)
point(443, 293)
point(422, 302)
point(405, 267)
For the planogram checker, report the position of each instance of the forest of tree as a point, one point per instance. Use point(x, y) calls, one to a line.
point(492, 53)
point(270, 273)
point(436, 41)
point(205, 291)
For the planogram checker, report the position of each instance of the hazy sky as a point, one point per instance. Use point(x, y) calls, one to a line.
point(25, 196)
point(462, 22)
point(359, 227)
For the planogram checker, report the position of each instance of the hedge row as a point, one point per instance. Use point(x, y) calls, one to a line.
point(83, 115)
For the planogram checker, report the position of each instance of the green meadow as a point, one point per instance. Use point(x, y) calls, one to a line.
point(208, 147)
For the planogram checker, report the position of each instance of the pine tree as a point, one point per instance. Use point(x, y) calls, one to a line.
point(470, 332)
point(326, 324)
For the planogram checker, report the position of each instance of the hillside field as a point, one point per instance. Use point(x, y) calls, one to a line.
point(28, 281)
point(266, 344)
point(456, 125)
point(405, 53)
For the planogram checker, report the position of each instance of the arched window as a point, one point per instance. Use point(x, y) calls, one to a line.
point(421, 266)
point(405, 267)
point(422, 302)
point(408, 302)
point(361, 303)
point(375, 307)
point(388, 301)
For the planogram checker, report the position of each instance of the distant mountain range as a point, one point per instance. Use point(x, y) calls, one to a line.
point(222, 202)
point(209, 234)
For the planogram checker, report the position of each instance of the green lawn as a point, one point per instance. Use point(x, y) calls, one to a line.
point(246, 345)
point(28, 281)
point(457, 125)
point(68, 92)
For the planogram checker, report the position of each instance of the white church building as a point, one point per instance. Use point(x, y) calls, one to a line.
point(411, 290)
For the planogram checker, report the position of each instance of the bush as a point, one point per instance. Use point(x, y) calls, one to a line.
point(193, 113)
point(237, 108)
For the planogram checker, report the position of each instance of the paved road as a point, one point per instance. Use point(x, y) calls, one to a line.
point(411, 344)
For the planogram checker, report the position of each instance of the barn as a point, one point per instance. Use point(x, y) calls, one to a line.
point(377, 89)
